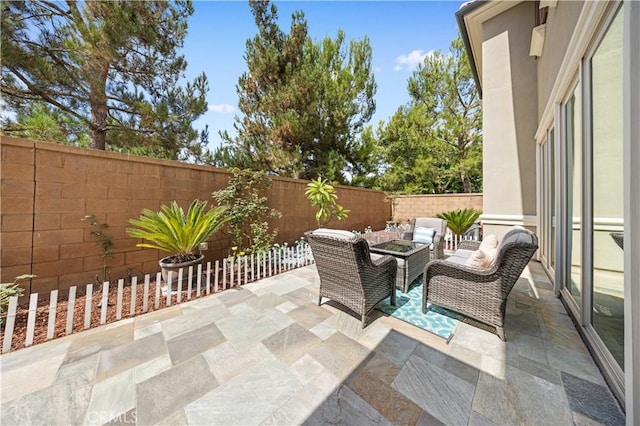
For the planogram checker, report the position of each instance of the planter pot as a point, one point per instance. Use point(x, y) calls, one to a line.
point(170, 269)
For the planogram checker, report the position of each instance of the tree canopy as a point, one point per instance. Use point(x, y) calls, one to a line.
point(111, 67)
point(434, 143)
point(303, 102)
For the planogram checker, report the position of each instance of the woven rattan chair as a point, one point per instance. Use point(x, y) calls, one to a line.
point(347, 273)
point(440, 225)
point(480, 294)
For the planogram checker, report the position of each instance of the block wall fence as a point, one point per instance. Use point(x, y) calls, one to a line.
point(406, 207)
point(48, 188)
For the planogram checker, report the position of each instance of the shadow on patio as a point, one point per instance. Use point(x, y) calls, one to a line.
point(265, 353)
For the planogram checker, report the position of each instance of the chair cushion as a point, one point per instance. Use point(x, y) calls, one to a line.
point(334, 233)
point(423, 235)
point(460, 256)
point(489, 247)
point(479, 259)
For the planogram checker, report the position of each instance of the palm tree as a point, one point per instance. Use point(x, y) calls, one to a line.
point(458, 221)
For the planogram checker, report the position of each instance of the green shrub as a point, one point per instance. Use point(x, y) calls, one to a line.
point(324, 197)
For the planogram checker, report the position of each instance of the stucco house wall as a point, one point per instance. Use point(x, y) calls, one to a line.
point(509, 78)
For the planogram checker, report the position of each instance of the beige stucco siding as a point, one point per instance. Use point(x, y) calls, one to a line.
point(509, 113)
point(561, 22)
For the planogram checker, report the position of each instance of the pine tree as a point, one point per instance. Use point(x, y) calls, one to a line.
point(113, 66)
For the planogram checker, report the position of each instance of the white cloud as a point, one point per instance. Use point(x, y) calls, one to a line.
point(222, 108)
point(411, 60)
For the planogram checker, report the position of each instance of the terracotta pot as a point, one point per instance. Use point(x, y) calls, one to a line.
point(171, 269)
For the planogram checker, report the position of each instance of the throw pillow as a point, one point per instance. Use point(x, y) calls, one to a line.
point(478, 259)
point(334, 233)
point(489, 246)
point(424, 235)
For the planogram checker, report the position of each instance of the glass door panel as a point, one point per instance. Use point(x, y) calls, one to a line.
point(573, 140)
point(608, 196)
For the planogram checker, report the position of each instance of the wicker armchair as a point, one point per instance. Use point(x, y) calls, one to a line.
point(440, 225)
point(480, 294)
point(347, 273)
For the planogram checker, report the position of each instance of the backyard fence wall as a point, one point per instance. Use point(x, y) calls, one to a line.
point(406, 207)
point(48, 188)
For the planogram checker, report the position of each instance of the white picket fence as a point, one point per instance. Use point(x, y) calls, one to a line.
point(210, 278)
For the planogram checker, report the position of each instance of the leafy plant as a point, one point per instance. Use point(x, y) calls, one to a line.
point(104, 241)
point(324, 197)
point(458, 221)
point(249, 214)
point(173, 231)
point(8, 290)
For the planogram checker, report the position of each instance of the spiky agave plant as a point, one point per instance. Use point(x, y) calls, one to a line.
point(458, 221)
point(173, 231)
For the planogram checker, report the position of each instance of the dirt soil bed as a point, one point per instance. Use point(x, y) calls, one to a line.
point(42, 313)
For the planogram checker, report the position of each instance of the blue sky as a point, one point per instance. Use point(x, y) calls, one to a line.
point(400, 32)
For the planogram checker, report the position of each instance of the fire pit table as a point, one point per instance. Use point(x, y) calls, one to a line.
point(411, 257)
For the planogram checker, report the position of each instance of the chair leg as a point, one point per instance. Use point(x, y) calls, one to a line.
point(500, 331)
point(319, 300)
point(364, 321)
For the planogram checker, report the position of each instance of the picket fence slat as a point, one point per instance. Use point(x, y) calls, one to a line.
point(53, 305)
point(11, 321)
point(217, 268)
point(87, 306)
point(134, 298)
point(157, 298)
point(169, 285)
point(70, 309)
point(180, 278)
point(119, 299)
point(145, 293)
point(224, 274)
point(104, 302)
point(199, 280)
point(208, 277)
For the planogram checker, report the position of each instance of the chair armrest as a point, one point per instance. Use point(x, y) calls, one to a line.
point(469, 245)
point(456, 270)
point(383, 261)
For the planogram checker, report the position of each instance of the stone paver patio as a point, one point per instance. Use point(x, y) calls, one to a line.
point(267, 354)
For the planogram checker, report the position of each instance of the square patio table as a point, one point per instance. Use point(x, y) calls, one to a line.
point(411, 257)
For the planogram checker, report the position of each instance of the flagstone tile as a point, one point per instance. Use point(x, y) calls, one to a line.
point(129, 355)
point(393, 405)
point(447, 362)
point(235, 295)
point(155, 317)
point(435, 390)
point(592, 400)
point(64, 402)
point(241, 331)
point(159, 396)
point(312, 395)
point(227, 360)
point(427, 419)
point(396, 347)
point(140, 333)
point(519, 398)
point(111, 398)
point(577, 363)
point(345, 407)
point(286, 306)
point(40, 373)
point(194, 342)
point(176, 326)
point(309, 315)
point(99, 339)
point(266, 302)
point(152, 368)
point(291, 343)
point(340, 355)
point(306, 368)
point(279, 319)
point(248, 398)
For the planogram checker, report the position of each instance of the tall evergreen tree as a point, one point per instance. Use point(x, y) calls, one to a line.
point(434, 143)
point(113, 66)
point(303, 102)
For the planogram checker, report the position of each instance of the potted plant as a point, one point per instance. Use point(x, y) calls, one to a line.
point(173, 231)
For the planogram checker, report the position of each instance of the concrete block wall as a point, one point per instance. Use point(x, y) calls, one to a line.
point(406, 207)
point(48, 188)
